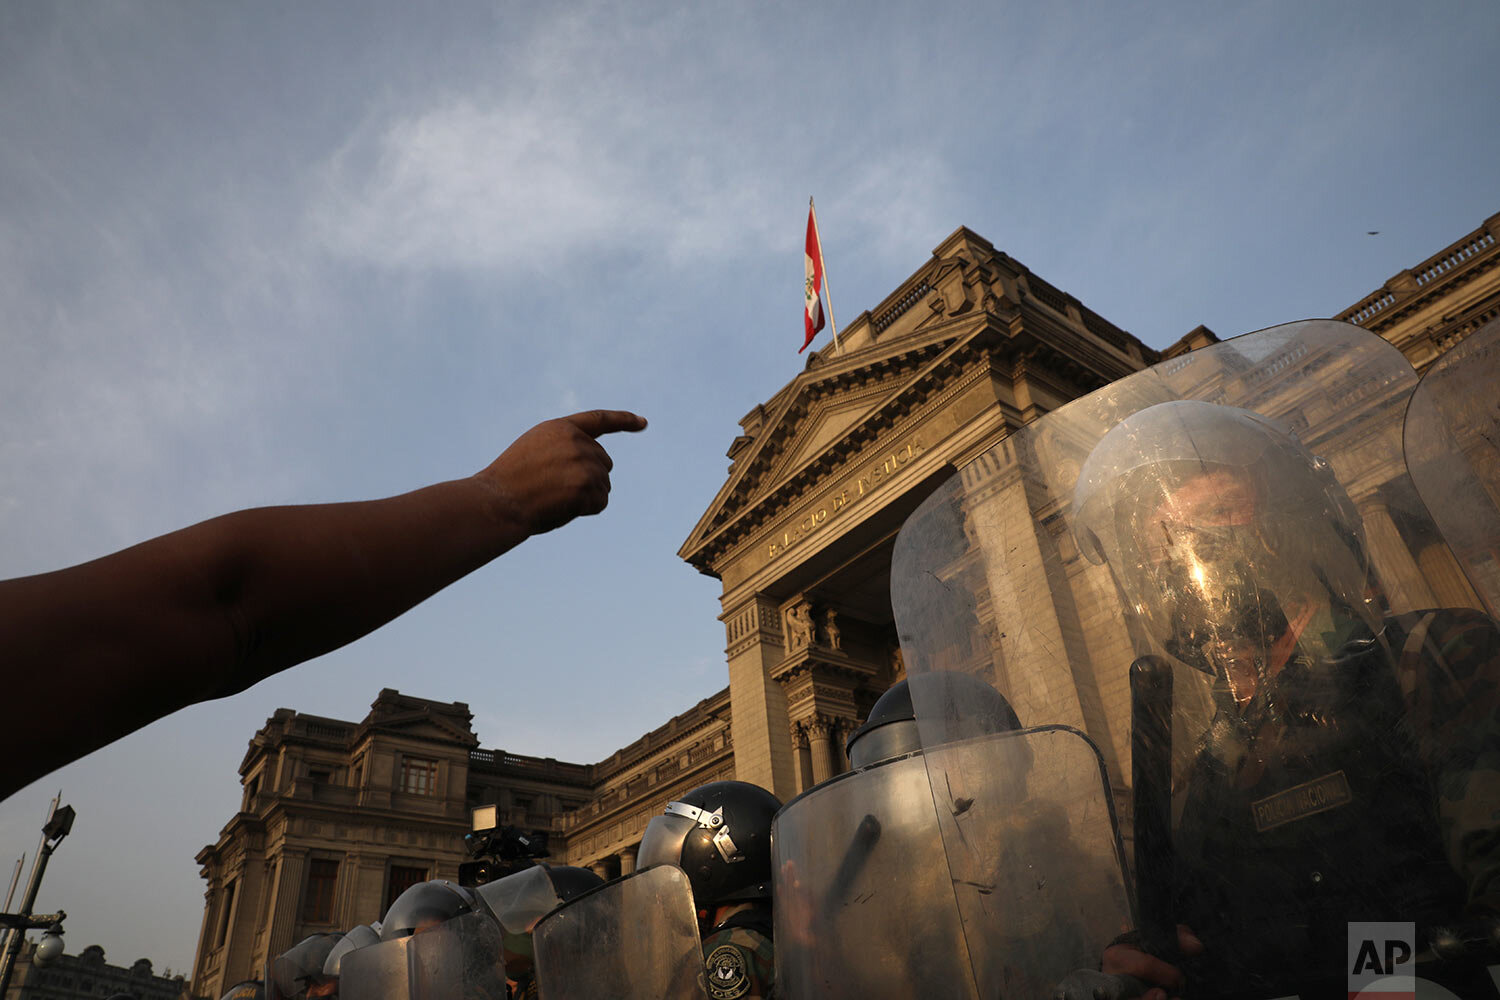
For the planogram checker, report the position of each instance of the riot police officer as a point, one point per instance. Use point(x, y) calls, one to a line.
point(362, 936)
point(297, 973)
point(519, 901)
point(720, 835)
point(1330, 782)
point(890, 730)
point(437, 939)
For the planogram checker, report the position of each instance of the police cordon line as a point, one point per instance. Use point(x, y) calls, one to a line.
point(1202, 701)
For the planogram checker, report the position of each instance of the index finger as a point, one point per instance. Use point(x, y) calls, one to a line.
point(597, 422)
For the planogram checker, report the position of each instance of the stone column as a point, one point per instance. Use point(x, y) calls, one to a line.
point(205, 942)
point(819, 733)
point(804, 758)
point(627, 860)
point(601, 869)
point(1035, 661)
point(1395, 568)
point(288, 890)
point(1448, 581)
point(759, 726)
point(841, 730)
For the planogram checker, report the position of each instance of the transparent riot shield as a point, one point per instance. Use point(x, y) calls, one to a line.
point(459, 959)
point(1220, 571)
point(519, 900)
point(630, 939)
point(980, 887)
point(1453, 452)
point(290, 974)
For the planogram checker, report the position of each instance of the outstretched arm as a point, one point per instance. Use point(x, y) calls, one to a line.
point(209, 610)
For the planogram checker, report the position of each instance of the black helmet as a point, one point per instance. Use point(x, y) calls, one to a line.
point(571, 881)
point(720, 835)
point(250, 989)
point(891, 729)
point(424, 904)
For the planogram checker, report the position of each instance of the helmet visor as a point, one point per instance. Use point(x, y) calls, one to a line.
point(360, 937)
point(662, 843)
point(520, 900)
point(292, 971)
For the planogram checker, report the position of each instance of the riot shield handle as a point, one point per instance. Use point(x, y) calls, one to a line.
point(1151, 782)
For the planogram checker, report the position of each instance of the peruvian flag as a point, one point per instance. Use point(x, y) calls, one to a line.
point(812, 263)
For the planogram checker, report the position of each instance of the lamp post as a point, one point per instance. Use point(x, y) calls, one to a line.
point(57, 827)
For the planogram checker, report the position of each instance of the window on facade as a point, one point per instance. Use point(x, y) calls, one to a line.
point(225, 907)
point(402, 878)
point(320, 775)
point(317, 901)
point(418, 776)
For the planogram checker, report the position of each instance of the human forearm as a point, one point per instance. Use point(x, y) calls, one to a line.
point(292, 583)
point(213, 608)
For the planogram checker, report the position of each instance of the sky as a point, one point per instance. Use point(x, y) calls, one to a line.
point(278, 252)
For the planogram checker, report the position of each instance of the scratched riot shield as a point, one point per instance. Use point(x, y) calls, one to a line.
point(1219, 570)
point(873, 902)
point(458, 959)
point(635, 938)
point(1453, 452)
point(294, 972)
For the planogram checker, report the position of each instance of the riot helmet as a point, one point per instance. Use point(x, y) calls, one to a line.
point(518, 901)
point(359, 937)
point(298, 970)
point(425, 905)
point(571, 881)
point(720, 835)
point(891, 729)
point(250, 989)
point(1224, 533)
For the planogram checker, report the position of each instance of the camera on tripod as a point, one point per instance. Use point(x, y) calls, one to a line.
point(496, 850)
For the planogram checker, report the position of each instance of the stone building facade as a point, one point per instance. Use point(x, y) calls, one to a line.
point(338, 816)
point(1426, 309)
point(87, 976)
point(824, 474)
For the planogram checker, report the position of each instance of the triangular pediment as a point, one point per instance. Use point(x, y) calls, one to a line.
point(808, 431)
point(824, 424)
point(827, 404)
point(426, 726)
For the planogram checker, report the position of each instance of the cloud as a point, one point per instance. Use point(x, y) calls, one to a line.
point(518, 186)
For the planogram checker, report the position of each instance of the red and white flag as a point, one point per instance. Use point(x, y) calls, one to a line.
point(812, 262)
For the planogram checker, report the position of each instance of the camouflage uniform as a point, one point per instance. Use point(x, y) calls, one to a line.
point(740, 958)
point(1358, 785)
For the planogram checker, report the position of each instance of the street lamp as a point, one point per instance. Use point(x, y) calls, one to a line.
point(50, 948)
point(58, 826)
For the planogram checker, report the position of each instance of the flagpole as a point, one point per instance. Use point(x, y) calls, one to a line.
point(827, 292)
